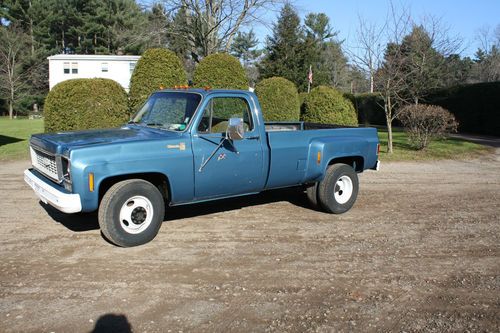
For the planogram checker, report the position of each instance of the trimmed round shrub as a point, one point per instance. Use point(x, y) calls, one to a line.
point(220, 71)
point(279, 99)
point(84, 104)
point(326, 105)
point(155, 69)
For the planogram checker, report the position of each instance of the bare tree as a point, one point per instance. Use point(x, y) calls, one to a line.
point(412, 62)
point(488, 55)
point(14, 52)
point(390, 78)
point(211, 25)
point(368, 53)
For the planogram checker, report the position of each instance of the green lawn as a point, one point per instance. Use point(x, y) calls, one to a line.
point(14, 136)
point(450, 148)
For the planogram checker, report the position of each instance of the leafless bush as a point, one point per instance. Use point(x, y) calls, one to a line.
point(423, 123)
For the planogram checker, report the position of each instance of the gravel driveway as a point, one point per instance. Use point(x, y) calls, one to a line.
point(420, 251)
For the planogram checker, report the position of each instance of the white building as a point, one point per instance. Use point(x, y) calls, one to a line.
point(63, 67)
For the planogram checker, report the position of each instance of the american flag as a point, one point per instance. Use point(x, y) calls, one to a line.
point(310, 75)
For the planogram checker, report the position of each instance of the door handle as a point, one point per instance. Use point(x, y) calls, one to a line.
point(253, 137)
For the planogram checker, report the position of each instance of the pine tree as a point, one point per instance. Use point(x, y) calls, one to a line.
point(244, 45)
point(324, 52)
point(284, 53)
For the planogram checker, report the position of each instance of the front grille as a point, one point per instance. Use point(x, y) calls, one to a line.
point(45, 163)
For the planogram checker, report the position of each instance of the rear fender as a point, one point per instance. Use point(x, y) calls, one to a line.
point(326, 151)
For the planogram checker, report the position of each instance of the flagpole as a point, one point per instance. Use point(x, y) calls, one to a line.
point(309, 79)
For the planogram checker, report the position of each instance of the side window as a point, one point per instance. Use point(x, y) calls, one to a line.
point(218, 111)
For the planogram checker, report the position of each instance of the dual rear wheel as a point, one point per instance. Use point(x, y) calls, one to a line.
point(337, 192)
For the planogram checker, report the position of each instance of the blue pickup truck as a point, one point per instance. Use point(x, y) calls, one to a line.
point(193, 145)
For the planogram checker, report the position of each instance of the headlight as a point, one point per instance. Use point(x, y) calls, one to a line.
point(66, 171)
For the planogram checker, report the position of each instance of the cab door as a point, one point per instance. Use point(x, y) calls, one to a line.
point(225, 167)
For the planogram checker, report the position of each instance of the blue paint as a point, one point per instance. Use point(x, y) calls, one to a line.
point(262, 160)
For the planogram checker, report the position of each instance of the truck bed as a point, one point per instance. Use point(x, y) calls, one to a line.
point(276, 126)
point(294, 147)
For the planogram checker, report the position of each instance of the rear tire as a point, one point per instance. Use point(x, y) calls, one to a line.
point(312, 195)
point(338, 191)
point(131, 212)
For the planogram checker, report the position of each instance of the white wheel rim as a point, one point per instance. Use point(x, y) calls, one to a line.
point(343, 189)
point(136, 214)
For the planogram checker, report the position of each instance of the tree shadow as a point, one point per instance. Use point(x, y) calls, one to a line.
point(5, 140)
point(88, 221)
point(111, 322)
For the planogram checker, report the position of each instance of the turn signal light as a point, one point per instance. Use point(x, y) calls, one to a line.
point(91, 182)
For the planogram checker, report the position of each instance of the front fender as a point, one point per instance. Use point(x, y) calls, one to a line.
point(131, 160)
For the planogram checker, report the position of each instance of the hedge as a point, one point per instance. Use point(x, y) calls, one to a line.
point(155, 69)
point(326, 105)
point(475, 106)
point(369, 107)
point(279, 99)
point(220, 71)
point(84, 104)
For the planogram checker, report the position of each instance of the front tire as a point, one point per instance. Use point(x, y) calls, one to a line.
point(338, 191)
point(131, 212)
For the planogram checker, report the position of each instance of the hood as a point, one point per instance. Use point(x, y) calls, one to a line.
point(63, 142)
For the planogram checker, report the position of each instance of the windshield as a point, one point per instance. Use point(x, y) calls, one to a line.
point(169, 110)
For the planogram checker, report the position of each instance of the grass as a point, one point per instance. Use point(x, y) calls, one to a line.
point(450, 148)
point(14, 137)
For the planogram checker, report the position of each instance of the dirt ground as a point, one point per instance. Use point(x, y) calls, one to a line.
point(420, 251)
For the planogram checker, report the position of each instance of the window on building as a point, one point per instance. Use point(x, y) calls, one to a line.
point(131, 67)
point(66, 67)
point(74, 68)
point(104, 67)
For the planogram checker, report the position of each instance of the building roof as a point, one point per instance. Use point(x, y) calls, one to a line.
point(73, 57)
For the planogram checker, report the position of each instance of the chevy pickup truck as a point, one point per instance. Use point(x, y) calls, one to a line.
point(193, 145)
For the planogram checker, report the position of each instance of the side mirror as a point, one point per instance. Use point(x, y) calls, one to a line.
point(235, 129)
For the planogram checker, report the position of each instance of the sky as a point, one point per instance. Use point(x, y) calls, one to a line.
point(463, 17)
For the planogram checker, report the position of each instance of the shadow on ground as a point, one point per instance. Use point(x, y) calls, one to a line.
point(112, 323)
point(88, 221)
point(5, 140)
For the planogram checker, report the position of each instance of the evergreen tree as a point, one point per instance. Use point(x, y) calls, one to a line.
point(324, 52)
point(423, 66)
point(284, 52)
point(244, 45)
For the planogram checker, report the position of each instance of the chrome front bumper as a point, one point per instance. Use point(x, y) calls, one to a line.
point(65, 202)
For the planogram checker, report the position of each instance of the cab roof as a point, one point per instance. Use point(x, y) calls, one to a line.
point(204, 92)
